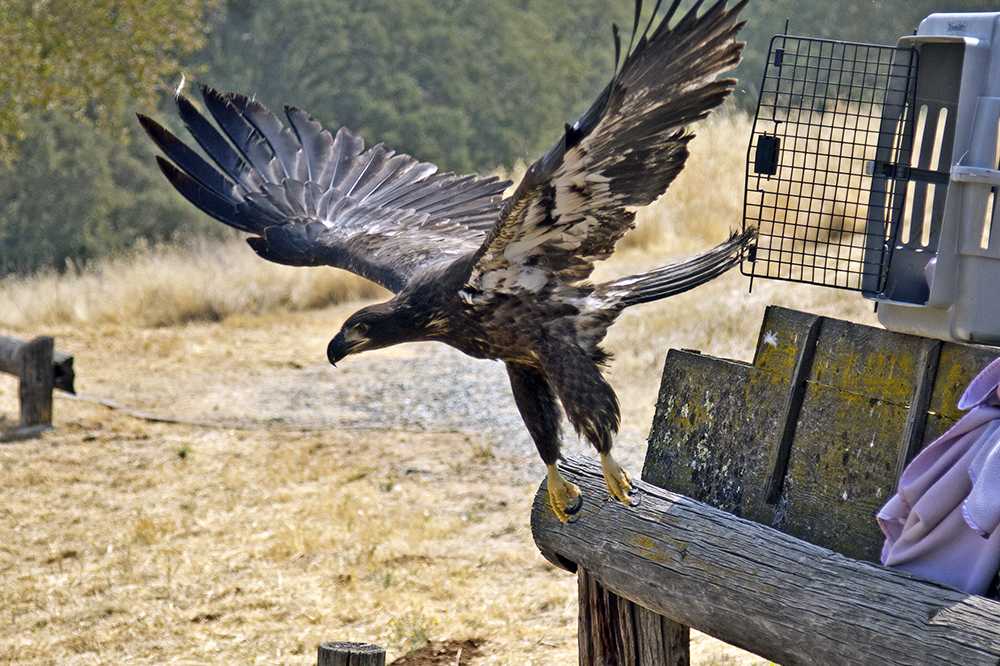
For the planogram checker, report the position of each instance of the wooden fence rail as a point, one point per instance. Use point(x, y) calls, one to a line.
point(757, 588)
point(39, 368)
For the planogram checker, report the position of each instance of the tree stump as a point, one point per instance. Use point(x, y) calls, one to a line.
point(350, 654)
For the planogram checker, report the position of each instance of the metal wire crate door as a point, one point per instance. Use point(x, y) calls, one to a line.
point(825, 185)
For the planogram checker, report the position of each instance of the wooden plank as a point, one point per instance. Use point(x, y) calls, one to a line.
point(841, 471)
point(586, 588)
point(661, 641)
point(916, 416)
point(958, 365)
point(606, 634)
point(733, 435)
point(36, 381)
point(764, 591)
point(713, 429)
point(805, 351)
point(868, 361)
point(62, 370)
point(780, 333)
point(854, 419)
point(8, 354)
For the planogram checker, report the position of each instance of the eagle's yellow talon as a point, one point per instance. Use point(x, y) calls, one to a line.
point(563, 495)
point(618, 480)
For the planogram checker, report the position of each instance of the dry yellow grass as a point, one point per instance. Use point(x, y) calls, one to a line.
point(704, 204)
point(170, 285)
point(125, 541)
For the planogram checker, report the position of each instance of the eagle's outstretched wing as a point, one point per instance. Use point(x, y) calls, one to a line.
point(313, 198)
point(571, 207)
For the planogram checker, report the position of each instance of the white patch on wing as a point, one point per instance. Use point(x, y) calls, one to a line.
point(494, 278)
point(519, 250)
point(531, 278)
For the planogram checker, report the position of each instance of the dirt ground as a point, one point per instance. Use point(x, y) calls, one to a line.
point(243, 501)
point(277, 515)
point(279, 502)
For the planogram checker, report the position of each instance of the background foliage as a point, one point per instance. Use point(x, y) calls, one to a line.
point(868, 21)
point(74, 195)
point(89, 58)
point(468, 84)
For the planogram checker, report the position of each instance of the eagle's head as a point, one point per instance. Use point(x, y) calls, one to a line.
point(371, 327)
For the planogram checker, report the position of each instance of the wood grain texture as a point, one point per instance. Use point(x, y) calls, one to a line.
point(957, 366)
point(614, 630)
point(841, 471)
point(811, 437)
point(760, 589)
point(34, 372)
point(805, 351)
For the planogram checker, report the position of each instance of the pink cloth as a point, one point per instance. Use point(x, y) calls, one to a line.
point(942, 523)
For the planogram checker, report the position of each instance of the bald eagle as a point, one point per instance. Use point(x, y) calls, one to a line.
point(495, 277)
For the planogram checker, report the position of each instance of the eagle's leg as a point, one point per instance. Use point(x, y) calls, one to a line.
point(592, 407)
point(618, 480)
point(564, 497)
point(539, 409)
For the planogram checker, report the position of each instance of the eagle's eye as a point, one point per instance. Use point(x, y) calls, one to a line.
point(361, 329)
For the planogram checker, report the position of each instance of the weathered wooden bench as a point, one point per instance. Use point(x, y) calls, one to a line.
point(756, 520)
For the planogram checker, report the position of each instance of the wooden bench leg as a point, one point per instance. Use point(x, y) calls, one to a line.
point(613, 631)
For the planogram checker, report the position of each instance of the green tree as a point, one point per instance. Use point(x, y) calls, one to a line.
point(74, 194)
point(91, 59)
point(469, 84)
point(866, 21)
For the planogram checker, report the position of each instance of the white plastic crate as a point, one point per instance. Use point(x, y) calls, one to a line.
point(875, 168)
point(963, 276)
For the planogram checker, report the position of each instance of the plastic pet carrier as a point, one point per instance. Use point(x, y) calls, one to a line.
point(876, 169)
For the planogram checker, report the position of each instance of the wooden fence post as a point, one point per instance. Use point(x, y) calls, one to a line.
point(613, 631)
point(39, 367)
point(36, 382)
point(350, 654)
point(62, 363)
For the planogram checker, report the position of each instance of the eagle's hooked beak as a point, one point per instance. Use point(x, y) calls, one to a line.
point(340, 347)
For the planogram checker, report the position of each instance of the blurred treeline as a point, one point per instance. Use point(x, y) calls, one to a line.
point(468, 84)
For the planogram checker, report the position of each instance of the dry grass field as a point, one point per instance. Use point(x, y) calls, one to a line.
point(258, 517)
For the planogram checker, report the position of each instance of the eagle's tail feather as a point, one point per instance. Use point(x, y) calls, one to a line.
point(677, 278)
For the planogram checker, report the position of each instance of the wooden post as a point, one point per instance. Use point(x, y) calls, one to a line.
point(350, 654)
point(39, 368)
point(34, 371)
point(613, 631)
